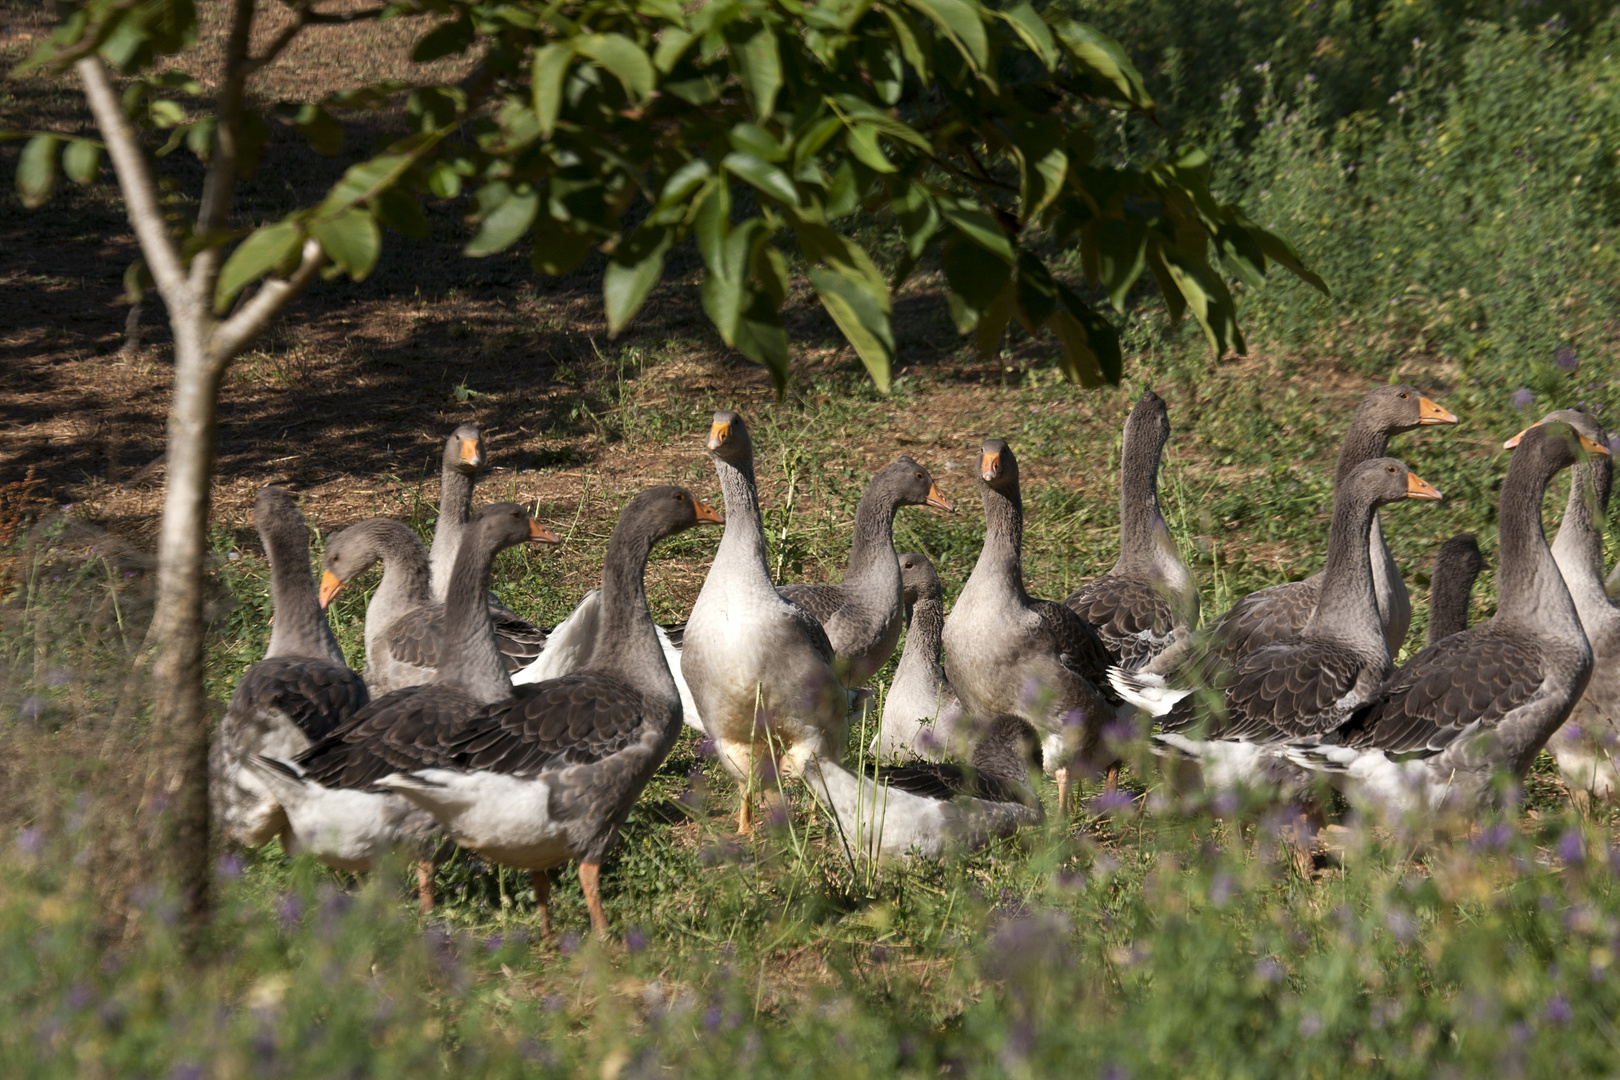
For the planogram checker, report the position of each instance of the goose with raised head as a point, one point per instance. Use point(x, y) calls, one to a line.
point(350, 826)
point(551, 774)
point(920, 711)
point(927, 809)
point(759, 666)
point(301, 690)
point(1148, 598)
point(1584, 746)
point(1007, 652)
point(862, 613)
point(1456, 565)
point(1281, 611)
point(1486, 699)
point(1305, 686)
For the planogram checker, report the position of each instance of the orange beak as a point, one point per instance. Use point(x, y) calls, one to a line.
point(937, 499)
point(1513, 442)
point(705, 512)
point(1419, 488)
point(472, 452)
point(990, 467)
point(330, 584)
point(1430, 413)
point(539, 534)
point(1593, 447)
point(718, 434)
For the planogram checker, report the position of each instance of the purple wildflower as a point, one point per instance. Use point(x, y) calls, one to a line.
point(1110, 801)
point(705, 747)
point(1522, 398)
point(1268, 970)
point(568, 944)
point(1310, 1025)
point(188, 1070)
point(32, 708)
point(289, 910)
point(495, 943)
point(1402, 924)
point(635, 939)
point(1221, 889)
point(230, 865)
point(1493, 838)
point(712, 1017)
point(32, 840)
point(1558, 1010)
point(57, 676)
point(1566, 358)
point(1572, 847)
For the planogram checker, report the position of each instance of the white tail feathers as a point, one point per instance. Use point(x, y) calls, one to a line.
point(1150, 693)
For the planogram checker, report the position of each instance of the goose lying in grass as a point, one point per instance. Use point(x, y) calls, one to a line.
point(326, 791)
point(301, 690)
point(1456, 566)
point(862, 613)
point(1487, 699)
point(927, 809)
point(921, 711)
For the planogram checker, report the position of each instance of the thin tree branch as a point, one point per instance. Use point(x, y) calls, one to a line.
point(301, 18)
point(135, 180)
point(237, 332)
point(93, 37)
point(219, 183)
point(340, 18)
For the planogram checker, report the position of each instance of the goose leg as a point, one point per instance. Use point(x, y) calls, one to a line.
point(542, 899)
point(1062, 776)
point(1113, 778)
point(745, 814)
point(424, 884)
point(590, 877)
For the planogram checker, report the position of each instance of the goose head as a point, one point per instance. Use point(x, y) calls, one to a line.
point(912, 485)
point(918, 579)
point(464, 450)
point(1386, 480)
point(1585, 424)
point(998, 468)
point(508, 525)
point(728, 438)
point(1398, 408)
point(662, 512)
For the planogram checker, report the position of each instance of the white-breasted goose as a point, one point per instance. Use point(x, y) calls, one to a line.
point(920, 711)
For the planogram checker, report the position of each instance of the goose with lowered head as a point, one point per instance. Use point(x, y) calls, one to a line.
point(1456, 565)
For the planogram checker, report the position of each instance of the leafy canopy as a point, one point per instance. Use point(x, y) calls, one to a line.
point(628, 125)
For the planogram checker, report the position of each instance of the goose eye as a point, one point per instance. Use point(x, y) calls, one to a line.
point(1403, 397)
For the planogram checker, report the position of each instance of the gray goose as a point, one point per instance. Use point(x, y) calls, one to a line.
point(300, 690)
point(1148, 598)
point(1304, 686)
point(1280, 612)
point(1489, 697)
point(926, 809)
point(1456, 565)
point(759, 667)
point(1007, 652)
point(350, 826)
point(920, 711)
point(862, 614)
point(551, 773)
point(1584, 745)
point(405, 629)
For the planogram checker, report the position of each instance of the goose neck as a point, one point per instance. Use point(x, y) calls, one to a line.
point(1347, 605)
point(1578, 548)
point(1142, 528)
point(626, 641)
point(1529, 584)
point(872, 561)
point(299, 627)
point(471, 660)
point(455, 509)
point(1001, 558)
point(743, 541)
point(920, 658)
point(1364, 441)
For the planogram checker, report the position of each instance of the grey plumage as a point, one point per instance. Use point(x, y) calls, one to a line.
point(1456, 565)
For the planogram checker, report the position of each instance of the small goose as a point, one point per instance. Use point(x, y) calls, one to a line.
point(1007, 652)
point(1148, 598)
point(301, 690)
point(759, 666)
point(1584, 744)
point(1281, 611)
point(921, 711)
point(326, 790)
point(925, 809)
point(1305, 686)
point(1456, 566)
point(1489, 697)
point(862, 614)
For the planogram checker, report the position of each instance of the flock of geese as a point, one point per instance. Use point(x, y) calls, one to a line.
point(528, 746)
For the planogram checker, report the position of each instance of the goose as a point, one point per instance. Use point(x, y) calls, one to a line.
point(920, 711)
point(759, 666)
point(862, 614)
point(1488, 698)
point(334, 814)
point(926, 809)
point(1008, 652)
point(1456, 566)
point(1281, 611)
point(405, 629)
point(1584, 744)
point(1305, 686)
point(551, 774)
point(302, 688)
point(1148, 598)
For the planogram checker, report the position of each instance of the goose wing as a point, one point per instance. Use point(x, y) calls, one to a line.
point(944, 781)
point(1292, 690)
point(417, 637)
point(1265, 617)
point(1078, 645)
point(316, 695)
point(579, 719)
point(399, 732)
point(822, 601)
point(1129, 615)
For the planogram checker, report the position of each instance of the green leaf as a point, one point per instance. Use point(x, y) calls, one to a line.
point(960, 21)
point(671, 47)
point(861, 139)
point(1043, 163)
point(993, 322)
point(1101, 55)
point(635, 269)
point(82, 161)
point(398, 209)
point(504, 223)
point(978, 225)
point(550, 69)
point(762, 175)
point(713, 223)
point(36, 170)
point(137, 279)
point(623, 58)
point(1209, 301)
point(1121, 251)
point(760, 337)
point(1091, 353)
point(918, 217)
point(1033, 32)
point(444, 40)
point(759, 67)
point(974, 280)
point(1280, 251)
point(324, 134)
point(557, 248)
point(443, 180)
point(910, 43)
point(271, 247)
point(753, 139)
point(1037, 292)
point(863, 320)
point(351, 240)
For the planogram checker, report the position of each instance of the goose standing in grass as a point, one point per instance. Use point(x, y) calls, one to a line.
point(326, 791)
point(1486, 699)
point(1456, 566)
point(1584, 746)
point(862, 614)
point(1007, 652)
point(1148, 598)
point(920, 711)
point(926, 809)
point(551, 774)
point(1305, 686)
point(759, 666)
point(1281, 611)
point(301, 690)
